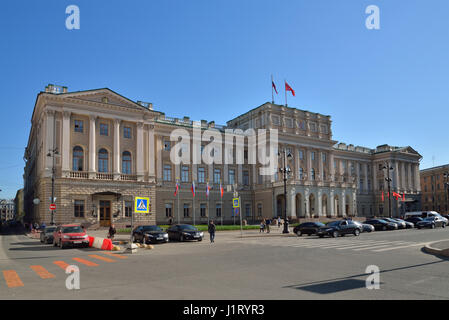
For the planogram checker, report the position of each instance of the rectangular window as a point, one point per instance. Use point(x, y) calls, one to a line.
point(248, 210)
point(168, 210)
point(128, 208)
point(167, 172)
point(218, 210)
point(202, 209)
point(217, 176)
point(259, 210)
point(361, 184)
point(323, 155)
point(301, 155)
point(167, 145)
point(185, 174)
point(79, 126)
point(312, 155)
point(186, 210)
point(104, 129)
point(127, 132)
point(79, 208)
point(231, 174)
point(201, 175)
point(246, 178)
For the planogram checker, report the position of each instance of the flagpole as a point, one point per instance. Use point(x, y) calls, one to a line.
point(193, 200)
point(221, 204)
point(272, 94)
point(208, 202)
point(285, 89)
point(177, 193)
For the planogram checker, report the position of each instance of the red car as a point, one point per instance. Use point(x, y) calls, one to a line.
point(70, 235)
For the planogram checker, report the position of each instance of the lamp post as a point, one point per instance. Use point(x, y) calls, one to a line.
point(285, 170)
point(388, 179)
point(446, 186)
point(52, 153)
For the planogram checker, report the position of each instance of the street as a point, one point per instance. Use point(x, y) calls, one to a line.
point(257, 266)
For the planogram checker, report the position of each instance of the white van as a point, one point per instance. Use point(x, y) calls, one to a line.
point(422, 214)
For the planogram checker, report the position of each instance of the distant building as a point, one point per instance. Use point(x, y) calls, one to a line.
point(7, 210)
point(18, 205)
point(435, 195)
point(104, 149)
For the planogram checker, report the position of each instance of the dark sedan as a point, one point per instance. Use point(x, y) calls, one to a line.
point(182, 232)
point(414, 220)
point(401, 225)
point(380, 224)
point(47, 234)
point(149, 234)
point(408, 225)
point(308, 228)
point(431, 222)
point(365, 227)
point(339, 228)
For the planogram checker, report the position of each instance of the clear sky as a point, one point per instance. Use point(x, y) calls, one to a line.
point(213, 59)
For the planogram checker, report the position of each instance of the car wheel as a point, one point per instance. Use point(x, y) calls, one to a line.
point(335, 234)
point(321, 236)
point(384, 228)
point(298, 233)
point(433, 226)
point(200, 239)
point(443, 225)
point(356, 232)
point(181, 238)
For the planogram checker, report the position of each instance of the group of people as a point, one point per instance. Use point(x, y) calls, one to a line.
point(265, 224)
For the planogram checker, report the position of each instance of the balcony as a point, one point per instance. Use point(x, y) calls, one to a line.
point(104, 176)
point(128, 177)
point(79, 175)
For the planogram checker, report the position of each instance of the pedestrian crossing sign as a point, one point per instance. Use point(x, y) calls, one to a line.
point(235, 202)
point(142, 205)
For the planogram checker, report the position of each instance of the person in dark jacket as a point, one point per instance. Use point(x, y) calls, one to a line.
point(211, 230)
point(112, 232)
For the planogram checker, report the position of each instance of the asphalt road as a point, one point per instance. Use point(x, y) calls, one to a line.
point(253, 267)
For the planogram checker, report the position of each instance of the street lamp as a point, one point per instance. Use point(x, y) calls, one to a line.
point(446, 185)
point(388, 179)
point(52, 153)
point(285, 170)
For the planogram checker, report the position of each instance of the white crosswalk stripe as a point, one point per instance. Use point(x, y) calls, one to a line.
point(336, 244)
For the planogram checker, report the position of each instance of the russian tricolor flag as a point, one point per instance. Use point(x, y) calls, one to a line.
point(193, 188)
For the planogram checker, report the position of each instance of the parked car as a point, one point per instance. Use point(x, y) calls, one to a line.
point(431, 222)
point(70, 235)
point(446, 216)
point(408, 225)
point(414, 220)
point(149, 234)
point(401, 225)
point(365, 227)
point(308, 228)
point(182, 232)
point(339, 228)
point(380, 224)
point(46, 235)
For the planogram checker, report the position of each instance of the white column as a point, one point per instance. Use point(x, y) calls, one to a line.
point(375, 173)
point(297, 164)
point(417, 179)
point(396, 182)
point(409, 176)
point(331, 166)
point(292, 203)
point(117, 147)
point(309, 165)
point(343, 204)
point(139, 152)
point(66, 141)
point(365, 177)
point(403, 177)
point(320, 204)
point(49, 139)
point(320, 159)
point(357, 176)
point(159, 157)
point(151, 153)
point(92, 145)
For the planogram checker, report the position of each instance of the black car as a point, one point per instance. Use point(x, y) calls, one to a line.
point(380, 224)
point(307, 228)
point(47, 234)
point(339, 228)
point(414, 220)
point(365, 227)
point(431, 222)
point(182, 232)
point(408, 224)
point(401, 225)
point(149, 234)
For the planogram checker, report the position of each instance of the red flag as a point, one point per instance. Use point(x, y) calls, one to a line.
point(382, 196)
point(288, 88)
point(221, 190)
point(403, 197)
point(192, 188)
point(274, 86)
point(177, 188)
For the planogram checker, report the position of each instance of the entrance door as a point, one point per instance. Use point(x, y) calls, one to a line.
point(105, 213)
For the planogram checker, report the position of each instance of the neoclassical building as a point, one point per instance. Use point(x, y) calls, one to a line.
point(103, 150)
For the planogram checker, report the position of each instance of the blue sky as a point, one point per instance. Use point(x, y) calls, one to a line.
point(211, 59)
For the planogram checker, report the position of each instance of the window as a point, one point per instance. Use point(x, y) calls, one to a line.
point(167, 145)
point(312, 155)
point(201, 175)
point(126, 162)
point(103, 160)
point(313, 174)
point(127, 132)
point(217, 176)
point(361, 184)
point(79, 208)
point(218, 210)
point(259, 209)
point(168, 210)
point(128, 209)
point(79, 126)
point(167, 172)
point(202, 209)
point(275, 120)
point(185, 174)
point(301, 155)
point(323, 156)
point(78, 159)
point(231, 174)
point(103, 129)
point(248, 210)
point(369, 184)
point(245, 178)
point(186, 210)
point(312, 126)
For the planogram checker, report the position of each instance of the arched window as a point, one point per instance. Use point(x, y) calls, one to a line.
point(78, 159)
point(126, 162)
point(103, 160)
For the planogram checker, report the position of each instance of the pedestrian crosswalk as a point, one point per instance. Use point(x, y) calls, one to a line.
point(14, 279)
point(338, 244)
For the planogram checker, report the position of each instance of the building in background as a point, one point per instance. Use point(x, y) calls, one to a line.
point(103, 150)
point(435, 192)
point(7, 210)
point(18, 205)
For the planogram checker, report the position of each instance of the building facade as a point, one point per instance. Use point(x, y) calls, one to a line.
point(435, 191)
point(102, 150)
point(7, 210)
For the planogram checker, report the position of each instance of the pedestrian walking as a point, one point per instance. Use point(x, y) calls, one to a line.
point(279, 222)
point(262, 226)
point(268, 222)
point(112, 232)
point(211, 230)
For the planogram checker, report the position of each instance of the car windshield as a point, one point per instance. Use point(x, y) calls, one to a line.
point(332, 224)
point(51, 229)
point(187, 228)
point(319, 224)
point(75, 229)
point(151, 228)
point(382, 221)
point(429, 219)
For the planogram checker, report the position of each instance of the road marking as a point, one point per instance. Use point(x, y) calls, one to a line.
point(354, 246)
point(350, 244)
point(61, 264)
point(101, 258)
point(42, 272)
point(116, 255)
point(12, 279)
point(401, 247)
point(86, 262)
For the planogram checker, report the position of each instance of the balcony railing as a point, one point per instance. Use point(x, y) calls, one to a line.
point(128, 177)
point(104, 176)
point(79, 175)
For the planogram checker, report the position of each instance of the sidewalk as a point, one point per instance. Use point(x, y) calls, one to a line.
point(440, 248)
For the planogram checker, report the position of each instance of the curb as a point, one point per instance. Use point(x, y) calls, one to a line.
point(439, 252)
